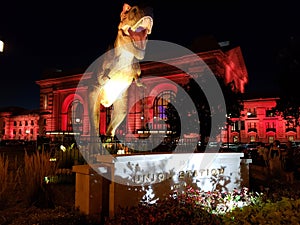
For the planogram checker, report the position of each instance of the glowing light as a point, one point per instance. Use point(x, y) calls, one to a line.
point(113, 89)
point(121, 152)
point(63, 148)
point(1, 46)
point(61, 133)
point(46, 180)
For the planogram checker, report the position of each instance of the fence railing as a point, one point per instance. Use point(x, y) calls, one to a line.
point(80, 150)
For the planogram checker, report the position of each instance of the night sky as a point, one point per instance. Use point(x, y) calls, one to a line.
point(51, 35)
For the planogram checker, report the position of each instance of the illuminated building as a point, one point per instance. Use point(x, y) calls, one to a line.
point(60, 98)
point(63, 104)
point(19, 124)
point(259, 123)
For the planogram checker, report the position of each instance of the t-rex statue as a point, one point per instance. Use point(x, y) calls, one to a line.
point(121, 69)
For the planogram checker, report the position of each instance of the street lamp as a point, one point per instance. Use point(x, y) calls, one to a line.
point(228, 123)
point(1, 46)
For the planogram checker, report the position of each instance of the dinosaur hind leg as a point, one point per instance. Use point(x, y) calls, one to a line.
point(118, 115)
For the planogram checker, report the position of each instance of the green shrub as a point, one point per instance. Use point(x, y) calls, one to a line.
point(285, 211)
point(167, 211)
point(193, 206)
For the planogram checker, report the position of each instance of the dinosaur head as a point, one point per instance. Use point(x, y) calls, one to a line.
point(134, 28)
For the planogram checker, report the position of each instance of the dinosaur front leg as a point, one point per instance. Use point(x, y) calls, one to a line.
point(118, 115)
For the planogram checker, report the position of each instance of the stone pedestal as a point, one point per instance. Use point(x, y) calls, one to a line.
point(122, 181)
point(91, 191)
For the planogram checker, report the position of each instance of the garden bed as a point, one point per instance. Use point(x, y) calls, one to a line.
point(192, 207)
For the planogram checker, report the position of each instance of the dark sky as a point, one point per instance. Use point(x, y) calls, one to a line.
point(70, 34)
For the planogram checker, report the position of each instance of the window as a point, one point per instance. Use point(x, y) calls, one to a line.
point(291, 138)
point(270, 113)
point(161, 103)
point(20, 123)
point(45, 122)
point(3, 124)
point(32, 123)
point(20, 131)
point(251, 125)
point(251, 112)
point(252, 138)
point(26, 123)
point(235, 126)
point(15, 123)
point(235, 139)
point(3, 131)
point(31, 131)
point(270, 125)
point(75, 116)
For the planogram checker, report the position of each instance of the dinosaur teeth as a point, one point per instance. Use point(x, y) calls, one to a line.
point(145, 22)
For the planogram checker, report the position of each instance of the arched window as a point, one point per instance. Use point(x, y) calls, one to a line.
point(161, 103)
point(75, 116)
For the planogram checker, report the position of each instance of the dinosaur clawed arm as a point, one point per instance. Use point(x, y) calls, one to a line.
point(139, 83)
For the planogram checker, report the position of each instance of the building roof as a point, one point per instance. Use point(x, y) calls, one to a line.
point(15, 110)
point(200, 44)
point(260, 95)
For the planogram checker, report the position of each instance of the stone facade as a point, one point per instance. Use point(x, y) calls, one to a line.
point(64, 103)
point(19, 124)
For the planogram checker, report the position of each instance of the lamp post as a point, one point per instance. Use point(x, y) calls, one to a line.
point(228, 123)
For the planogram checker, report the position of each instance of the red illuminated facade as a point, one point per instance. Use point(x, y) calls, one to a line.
point(64, 103)
point(258, 123)
point(19, 124)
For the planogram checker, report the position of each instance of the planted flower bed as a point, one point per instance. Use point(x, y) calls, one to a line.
point(276, 203)
point(196, 207)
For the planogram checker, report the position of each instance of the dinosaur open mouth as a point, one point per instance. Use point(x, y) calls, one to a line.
point(139, 32)
point(138, 38)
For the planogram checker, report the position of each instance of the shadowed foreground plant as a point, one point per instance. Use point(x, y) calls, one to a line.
point(9, 178)
point(37, 168)
point(190, 206)
point(193, 206)
point(4, 177)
